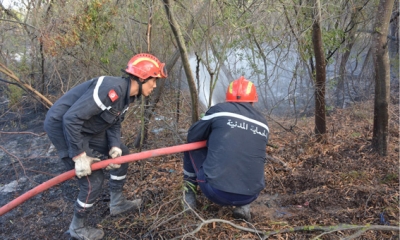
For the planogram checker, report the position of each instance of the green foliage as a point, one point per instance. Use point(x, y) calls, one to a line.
point(14, 94)
point(331, 29)
point(354, 176)
point(89, 28)
point(23, 65)
point(328, 108)
point(188, 185)
point(205, 206)
point(355, 135)
point(332, 38)
point(332, 83)
point(96, 21)
point(390, 177)
point(395, 64)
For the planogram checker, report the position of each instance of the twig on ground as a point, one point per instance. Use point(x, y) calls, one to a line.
point(156, 225)
point(20, 163)
point(38, 135)
point(278, 161)
point(205, 222)
point(331, 229)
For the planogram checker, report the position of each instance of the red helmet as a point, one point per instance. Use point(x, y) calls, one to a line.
point(144, 65)
point(241, 90)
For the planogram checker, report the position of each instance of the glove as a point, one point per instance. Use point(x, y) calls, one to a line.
point(114, 153)
point(83, 163)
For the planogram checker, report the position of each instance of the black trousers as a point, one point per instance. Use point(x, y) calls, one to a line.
point(90, 186)
point(193, 172)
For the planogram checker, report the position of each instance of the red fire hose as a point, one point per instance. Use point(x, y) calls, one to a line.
point(123, 159)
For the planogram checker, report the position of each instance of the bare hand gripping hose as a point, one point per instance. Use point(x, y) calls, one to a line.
point(123, 159)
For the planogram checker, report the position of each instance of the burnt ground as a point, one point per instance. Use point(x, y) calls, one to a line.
point(341, 182)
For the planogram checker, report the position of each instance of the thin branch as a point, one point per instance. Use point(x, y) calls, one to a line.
point(46, 102)
point(205, 222)
point(7, 20)
point(275, 160)
point(133, 19)
point(331, 229)
point(38, 135)
point(355, 235)
point(14, 83)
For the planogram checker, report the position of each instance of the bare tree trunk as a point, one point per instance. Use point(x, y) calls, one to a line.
point(185, 60)
point(144, 127)
point(160, 85)
point(364, 72)
point(394, 33)
point(41, 49)
point(394, 48)
point(340, 91)
point(264, 58)
point(178, 99)
point(382, 77)
point(320, 75)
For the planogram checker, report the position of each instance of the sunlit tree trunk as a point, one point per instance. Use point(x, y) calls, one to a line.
point(382, 77)
point(185, 60)
point(320, 75)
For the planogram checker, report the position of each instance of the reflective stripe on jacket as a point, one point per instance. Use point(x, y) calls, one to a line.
point(90, 108)
point(237, 136)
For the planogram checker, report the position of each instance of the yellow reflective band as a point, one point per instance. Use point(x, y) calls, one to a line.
point(145, 58)
point(249, 85)
point(230, 87)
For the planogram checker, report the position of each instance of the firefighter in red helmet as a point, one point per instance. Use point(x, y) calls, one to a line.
point(230, 170)
point(84, 125)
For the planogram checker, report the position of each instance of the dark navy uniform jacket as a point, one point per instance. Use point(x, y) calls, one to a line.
point(90, 108)
point(237, 136)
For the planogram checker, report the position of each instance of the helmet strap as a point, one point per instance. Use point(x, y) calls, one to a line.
point(140, 87)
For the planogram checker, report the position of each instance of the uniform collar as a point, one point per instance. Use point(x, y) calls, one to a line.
point(129, 99)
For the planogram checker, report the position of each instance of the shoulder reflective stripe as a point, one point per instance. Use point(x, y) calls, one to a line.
point(229, 114)
point(96, 94)
point(113, 177)
point(84, 205)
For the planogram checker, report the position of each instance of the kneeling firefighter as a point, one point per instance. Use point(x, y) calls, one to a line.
point(230, 170)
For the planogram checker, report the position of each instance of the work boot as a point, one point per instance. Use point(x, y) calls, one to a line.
point(119, 204)
point(78, 230)
point(242, 212)
point(190, 198)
